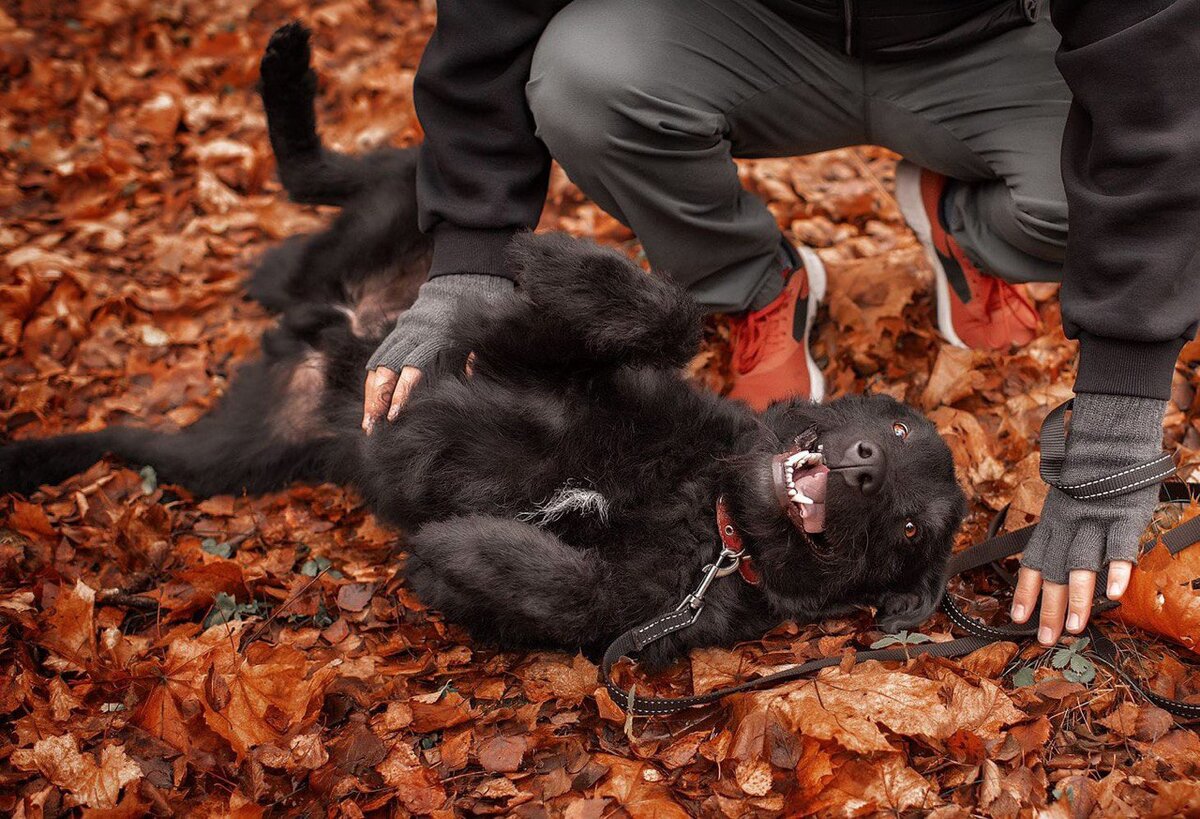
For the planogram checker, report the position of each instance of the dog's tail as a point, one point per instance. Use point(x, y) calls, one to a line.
point(207, 458)
point(287, 416)
point(311, 173)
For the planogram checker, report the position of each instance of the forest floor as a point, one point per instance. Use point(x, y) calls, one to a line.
point(237, 656)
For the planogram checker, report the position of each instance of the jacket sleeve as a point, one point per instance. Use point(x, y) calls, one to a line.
point(482, 174)
point(1131, 167)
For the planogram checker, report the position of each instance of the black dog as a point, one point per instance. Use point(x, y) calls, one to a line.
point(566, 489)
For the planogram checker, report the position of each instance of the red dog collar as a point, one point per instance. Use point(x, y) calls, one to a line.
point(733, 542)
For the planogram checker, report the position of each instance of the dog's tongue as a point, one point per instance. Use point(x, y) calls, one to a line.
point(812, 484)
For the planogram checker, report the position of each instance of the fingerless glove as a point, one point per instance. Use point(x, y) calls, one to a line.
point(1108, 433)
point(423, 330)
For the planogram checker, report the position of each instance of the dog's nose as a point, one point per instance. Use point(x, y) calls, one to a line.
point(864, 466)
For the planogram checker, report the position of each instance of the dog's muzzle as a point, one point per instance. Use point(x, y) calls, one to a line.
point(799, 478)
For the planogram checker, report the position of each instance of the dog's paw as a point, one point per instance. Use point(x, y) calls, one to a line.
point(288, 54)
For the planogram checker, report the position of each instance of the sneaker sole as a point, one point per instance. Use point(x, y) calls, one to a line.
point(908, 197)
point(814, 268)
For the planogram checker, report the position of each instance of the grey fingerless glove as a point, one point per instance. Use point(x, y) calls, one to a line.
point(423, 331)
point(1108, 433)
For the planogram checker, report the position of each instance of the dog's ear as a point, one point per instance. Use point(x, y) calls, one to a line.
point(910, 608)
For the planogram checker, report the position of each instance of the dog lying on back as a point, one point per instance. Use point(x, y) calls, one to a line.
point(565, 490)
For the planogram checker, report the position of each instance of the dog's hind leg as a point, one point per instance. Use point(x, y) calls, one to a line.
point(376, 236)
point(310, 173)
point(376, 242)
point(509, 582)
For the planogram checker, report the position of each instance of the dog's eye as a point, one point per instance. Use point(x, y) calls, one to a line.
point(910, 529)
point(900, 430)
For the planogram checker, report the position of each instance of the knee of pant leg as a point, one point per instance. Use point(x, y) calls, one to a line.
point(1041, 219)
point(594, 82)
point(1044, 219)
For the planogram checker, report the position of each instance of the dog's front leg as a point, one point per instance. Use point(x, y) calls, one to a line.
point(508, 582)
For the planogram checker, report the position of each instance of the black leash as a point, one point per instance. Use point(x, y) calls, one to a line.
point(994, 549)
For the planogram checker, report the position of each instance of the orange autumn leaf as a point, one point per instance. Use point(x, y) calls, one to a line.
point(92, 782)
point(1164, 594)
point(139, 190)
point(71, 626)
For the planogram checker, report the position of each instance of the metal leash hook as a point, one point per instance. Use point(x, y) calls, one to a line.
point(727, 563)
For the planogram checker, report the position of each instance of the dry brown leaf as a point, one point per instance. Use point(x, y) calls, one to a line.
point(138, 192)
point(92, 783)
point(1162, 597)
point(882, 784)
point(502, 754)
point(550, 676)
point(753, 777)
point(855, 710)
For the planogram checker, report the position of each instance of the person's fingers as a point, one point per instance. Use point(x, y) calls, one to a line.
point(1054, 607)
point(1029, 583)
point(409, 377)
point(1082, 587)
point(1118, 578)
point(376, 393)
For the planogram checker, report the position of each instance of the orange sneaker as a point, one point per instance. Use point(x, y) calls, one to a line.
point(974, 310)
point(771, 358)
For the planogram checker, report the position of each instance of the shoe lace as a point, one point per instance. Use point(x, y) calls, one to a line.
point(999, 295)
point(754, 335)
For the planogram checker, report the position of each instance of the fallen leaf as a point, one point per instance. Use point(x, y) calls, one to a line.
point(92, 783)
point(854, 710)
point(502, 754)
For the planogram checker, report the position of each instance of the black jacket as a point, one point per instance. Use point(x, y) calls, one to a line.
point(1131, 150)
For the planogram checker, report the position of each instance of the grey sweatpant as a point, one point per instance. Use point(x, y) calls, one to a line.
point(646, 102)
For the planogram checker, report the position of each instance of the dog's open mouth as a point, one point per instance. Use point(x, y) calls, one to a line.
point(799, 477)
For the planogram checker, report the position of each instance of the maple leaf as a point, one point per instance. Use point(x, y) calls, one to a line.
point(71, 627)
point(880, 784)
point(855, 709)
point(1164, 591)
point(266, 694)
point(92, 783)
point(417, 787)
point(642, 797)
point(548, 676)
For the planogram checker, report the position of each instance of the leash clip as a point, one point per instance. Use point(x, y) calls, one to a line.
point(727, 563)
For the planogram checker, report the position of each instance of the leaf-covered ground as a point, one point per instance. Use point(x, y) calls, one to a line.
point(242, 656)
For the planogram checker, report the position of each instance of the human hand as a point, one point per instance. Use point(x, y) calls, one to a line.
point(1077, 537)
point(421, 333)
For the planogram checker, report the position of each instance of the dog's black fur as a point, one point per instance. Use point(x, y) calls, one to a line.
point(575, 383)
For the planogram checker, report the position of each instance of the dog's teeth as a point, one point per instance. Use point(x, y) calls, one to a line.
point(801, 498)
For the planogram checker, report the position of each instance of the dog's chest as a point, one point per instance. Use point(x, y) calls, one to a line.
point(574, 497)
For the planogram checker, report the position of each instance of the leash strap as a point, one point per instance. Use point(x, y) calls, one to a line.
point(1054, 452)
point(635, 639)
point(991, 550)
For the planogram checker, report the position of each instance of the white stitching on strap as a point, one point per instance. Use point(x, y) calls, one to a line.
point(1142, 484)
point(968, 623)
point(1066, 486)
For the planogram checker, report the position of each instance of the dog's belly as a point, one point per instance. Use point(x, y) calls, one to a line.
point(585, 466)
